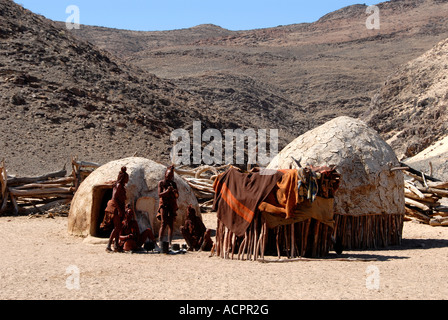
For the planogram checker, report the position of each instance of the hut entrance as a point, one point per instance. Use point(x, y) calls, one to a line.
point(101, 195)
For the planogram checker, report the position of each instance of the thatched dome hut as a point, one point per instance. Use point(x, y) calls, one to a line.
point(89, 201)
point(369, 205)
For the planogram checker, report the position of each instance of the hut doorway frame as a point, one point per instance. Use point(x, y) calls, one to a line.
point(101, 195)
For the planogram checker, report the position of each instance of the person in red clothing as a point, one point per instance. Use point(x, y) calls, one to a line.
point(115, 210)
point(130, 237)
point(197, 236)
point(167, 212)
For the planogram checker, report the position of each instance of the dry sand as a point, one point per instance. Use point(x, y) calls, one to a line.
point(36, 253)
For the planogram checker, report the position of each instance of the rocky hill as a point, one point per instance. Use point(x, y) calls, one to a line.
point(328, 68)
point(102, 94)
point(410, 108)
point(61, 96)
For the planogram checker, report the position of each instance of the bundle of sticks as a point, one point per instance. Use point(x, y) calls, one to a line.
point(201, 181)
point(81, 170)
point(426, 198)
point(28, 195)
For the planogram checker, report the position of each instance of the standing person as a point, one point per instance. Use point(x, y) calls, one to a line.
point(168, 195)
point(115, 210)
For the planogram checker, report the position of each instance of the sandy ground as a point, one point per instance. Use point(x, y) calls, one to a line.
point(39, 260)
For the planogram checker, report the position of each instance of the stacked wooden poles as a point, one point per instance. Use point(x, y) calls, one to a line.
point(81, 170)
point(31, 194)
point(251, 246)
point(27, 195)
point(368, 231)
point(201, 182)
point(309, 238)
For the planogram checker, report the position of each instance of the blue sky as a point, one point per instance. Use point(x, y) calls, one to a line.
point(151, 15)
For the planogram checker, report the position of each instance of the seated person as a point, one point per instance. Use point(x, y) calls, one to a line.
point(130, 237)
point(195, 233)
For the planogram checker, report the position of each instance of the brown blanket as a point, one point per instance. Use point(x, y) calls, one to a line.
point(238, 195)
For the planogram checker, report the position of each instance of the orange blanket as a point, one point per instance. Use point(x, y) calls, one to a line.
point(284, 197)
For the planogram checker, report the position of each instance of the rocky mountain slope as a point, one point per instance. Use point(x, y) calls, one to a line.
point(410, 108)
point(327, 68)
point(61, 96)
point(432, 160)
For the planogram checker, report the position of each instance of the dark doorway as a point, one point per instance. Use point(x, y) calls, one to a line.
point(101, 195)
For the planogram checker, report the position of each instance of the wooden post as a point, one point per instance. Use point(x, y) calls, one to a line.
point(293, 239)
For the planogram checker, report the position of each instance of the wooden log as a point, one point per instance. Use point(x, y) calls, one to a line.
point(49, 206)
point(428, 197)
point(199, 180)
point(233, 243)
point(203, 169)
point(277, 241)
point(441, 208)
point(316, 239)
point(438, 192)
point(246, 243)
point(265, 238)
point(414, 189)
point(40, 186)
point(418, 215)
point(418, 173)
point(229, 243)
point(286, 241)
point(429, 202)
point(425, 183)
point(201, 187)
point(20, 181)
point(43, 199)
point(226, 243)
point(438, 185)
point(256, 238)
point(39, 192)
point(249, 243)
point(241, 248)
point(439, 213)
point(438, 221)
point(293, 240)
point(305, 237)
point(5, 203)
point(399, 168)
point(65, 180)
point(217, 237)
point(203, 195)
point(185, 172)
point(86, 164)
point(14, 203)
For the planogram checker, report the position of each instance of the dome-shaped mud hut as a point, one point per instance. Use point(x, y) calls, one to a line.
point(369, 205)
point(90, 200)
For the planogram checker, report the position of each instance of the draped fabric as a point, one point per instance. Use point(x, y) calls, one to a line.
point(238, 195)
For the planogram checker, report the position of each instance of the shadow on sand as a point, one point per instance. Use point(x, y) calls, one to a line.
point(383, 254)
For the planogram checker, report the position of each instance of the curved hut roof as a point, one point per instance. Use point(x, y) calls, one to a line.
point(87, 207)
point(361, 157)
